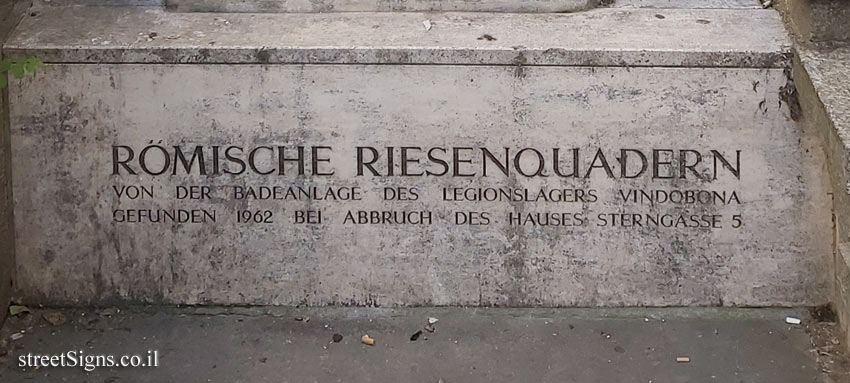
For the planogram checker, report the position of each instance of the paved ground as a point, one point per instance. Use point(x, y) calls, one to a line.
point(469, 345)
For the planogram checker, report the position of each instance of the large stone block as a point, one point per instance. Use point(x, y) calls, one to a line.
point(320, 179)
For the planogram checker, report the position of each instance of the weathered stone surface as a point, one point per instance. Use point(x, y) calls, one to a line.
point(818, 21)
point(689, 4)
point(601, 37)
point(98, 3)
point(828, 73)
point(381, 5)
point(841, 299)
point(601, 81)
point(505, 345)
point(9, 16)
point(68, 120)
point(823, 78)
point(6, 246)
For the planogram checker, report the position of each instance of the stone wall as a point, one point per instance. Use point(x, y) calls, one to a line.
point(608, 82)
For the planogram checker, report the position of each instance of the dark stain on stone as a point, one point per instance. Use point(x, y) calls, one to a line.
point(204, 54)
point(49, 255)
point(263, 56)
point(658, 16)
point(823, 313)
point(617, 93)
point(487, 37)
point(98, 277)
point(66, 113)
point(321, 5)
point(515, 288)
point(788, 94)
point(519, 63)
point(166, 55)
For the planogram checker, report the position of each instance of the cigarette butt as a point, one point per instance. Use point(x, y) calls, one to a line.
point(792, 320)
point(683, 359)
point(368, 340)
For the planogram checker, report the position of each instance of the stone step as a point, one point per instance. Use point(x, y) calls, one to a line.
point(613, 157)
point(687, 4)
point(307, 6)
point(602, 37)
point(507, 6)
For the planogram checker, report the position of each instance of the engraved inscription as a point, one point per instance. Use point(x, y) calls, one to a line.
point(292, 170)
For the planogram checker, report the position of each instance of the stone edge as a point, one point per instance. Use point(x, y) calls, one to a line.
point(409, 50)
point(392, 56)
point(10, 14)
point(824, 109)
point(312, 6)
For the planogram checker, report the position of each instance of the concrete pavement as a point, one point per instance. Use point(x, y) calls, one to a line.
point(468, 345)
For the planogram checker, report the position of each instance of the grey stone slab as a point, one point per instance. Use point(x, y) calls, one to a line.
point(824, 83)
point(492, 345)
point(519, 6)
point(829, 99)
point(75, 245)
point(601, 37)
point(688, 4)
point(98, 3)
